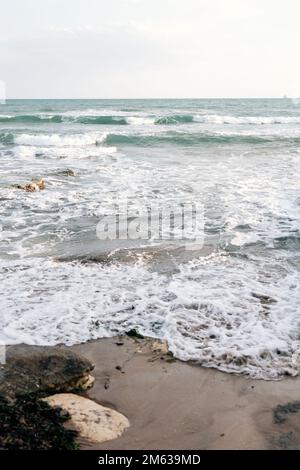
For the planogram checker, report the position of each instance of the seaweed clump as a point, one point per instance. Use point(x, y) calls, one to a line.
point(28, 423)
point(134, 334)
point(281, 412)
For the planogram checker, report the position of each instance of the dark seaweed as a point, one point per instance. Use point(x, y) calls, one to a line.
point(134, 334)
point(29, 423)
point(281, 412)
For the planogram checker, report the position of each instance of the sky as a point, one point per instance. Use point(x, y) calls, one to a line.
point(149, 48)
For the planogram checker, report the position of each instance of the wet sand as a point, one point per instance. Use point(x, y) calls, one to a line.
point(175, 405)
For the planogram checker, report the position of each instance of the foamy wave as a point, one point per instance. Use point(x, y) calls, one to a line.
point(216, 320)
point(31, 118)
point(190, 138)
point(6, 139)
point(80, 118)
point(256, 120)
point(93, 117)
point(58, 140)
point(30, 151)
point(140, 120)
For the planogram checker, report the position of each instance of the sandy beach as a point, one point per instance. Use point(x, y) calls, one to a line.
point(175, 405)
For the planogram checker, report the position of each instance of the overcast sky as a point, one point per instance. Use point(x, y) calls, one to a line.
point(149, 48)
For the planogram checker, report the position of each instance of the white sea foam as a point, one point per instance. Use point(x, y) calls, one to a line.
point(58, 140)
point(255, 120)
point(145, 119)
point(72, 152)
point(216, 320)
point(140, 120)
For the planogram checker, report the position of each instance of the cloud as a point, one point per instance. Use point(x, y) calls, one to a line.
point(205, 47)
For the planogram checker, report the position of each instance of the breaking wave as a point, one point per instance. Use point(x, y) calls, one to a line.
point(169, 119)
point(193, 138)
point(141, 139)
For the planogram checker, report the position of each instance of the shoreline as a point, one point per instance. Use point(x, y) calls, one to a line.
point(172, 404)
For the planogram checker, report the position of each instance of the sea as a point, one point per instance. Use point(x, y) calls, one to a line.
point(226, 296)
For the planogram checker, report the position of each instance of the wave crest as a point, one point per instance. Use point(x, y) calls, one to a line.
point(170, 119)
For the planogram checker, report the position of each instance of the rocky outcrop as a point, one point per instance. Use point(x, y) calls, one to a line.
point(92, 421)
point(68, 172)
point(35, 185)
point(42, 369)
point(34, 401)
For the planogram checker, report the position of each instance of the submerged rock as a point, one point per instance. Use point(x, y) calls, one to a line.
point(69, 172)
point(42, 369)
point(264, 299)
point(65, 172)
point(94, 422)
point(35, 185)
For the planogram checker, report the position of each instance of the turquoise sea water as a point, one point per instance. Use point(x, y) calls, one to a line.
point(234, 304)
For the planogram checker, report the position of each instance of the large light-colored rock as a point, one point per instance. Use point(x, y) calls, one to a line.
point(94, 422)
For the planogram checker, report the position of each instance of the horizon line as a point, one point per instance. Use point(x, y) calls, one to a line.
point(157, 98)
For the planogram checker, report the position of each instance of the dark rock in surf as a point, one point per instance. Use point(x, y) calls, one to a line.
point(42, 369)
point(264, 299)
point(66, 172)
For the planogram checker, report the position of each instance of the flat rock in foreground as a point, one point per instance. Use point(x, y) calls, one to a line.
point(42, 369)
point(94, 422)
